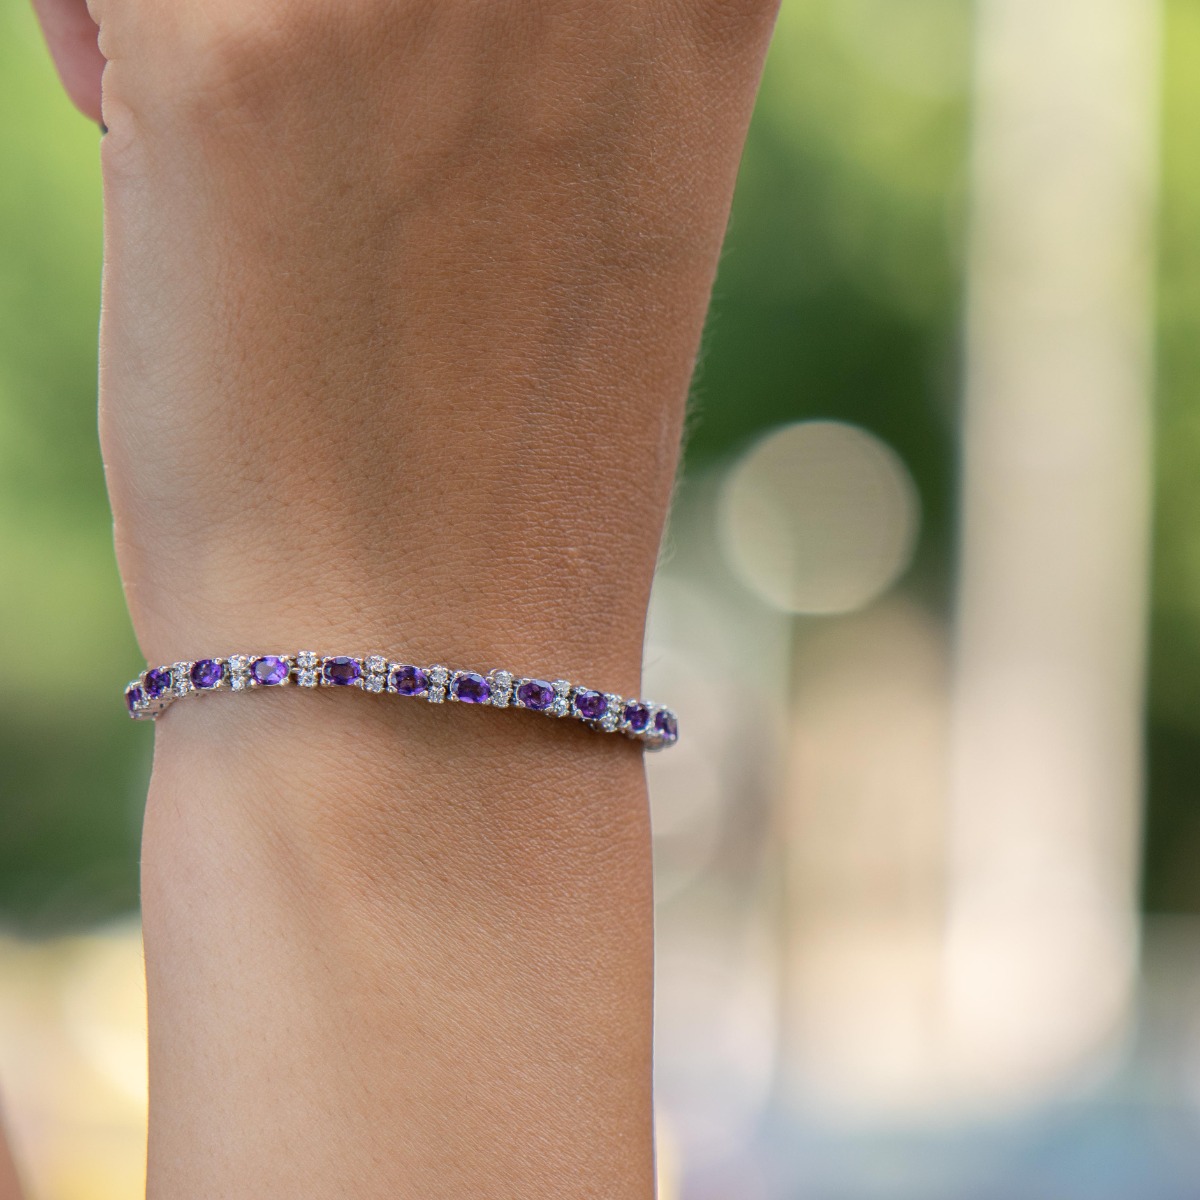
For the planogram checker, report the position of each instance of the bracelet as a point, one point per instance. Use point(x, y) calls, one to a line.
point(159, 687)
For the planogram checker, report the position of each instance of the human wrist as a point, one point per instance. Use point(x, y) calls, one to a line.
point(540, 623)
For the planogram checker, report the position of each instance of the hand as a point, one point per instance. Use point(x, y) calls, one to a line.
point(390, 291)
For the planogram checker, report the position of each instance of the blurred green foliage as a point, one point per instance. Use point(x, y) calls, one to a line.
point(839, 289)
point(1172, 844)
point(72, 771)
point(838, 296)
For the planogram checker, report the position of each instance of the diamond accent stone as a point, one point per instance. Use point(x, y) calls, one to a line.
point(181, 681)
point(501, 683)
point(439, 677)
point(238, 667)
point(562, 698)
point(306, 677)
point(611, 720)
point(375, 673)
point(306, 660)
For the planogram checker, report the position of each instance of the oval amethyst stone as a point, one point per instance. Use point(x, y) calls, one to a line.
point(158, 681)
point(133, 697)
point(590, 705)
point(536, 694)
point(270, 670)
point(637, 717)
point(470, 688)
point(207, 673)
point(407, 680)
point(342, 671)
point(666, 726)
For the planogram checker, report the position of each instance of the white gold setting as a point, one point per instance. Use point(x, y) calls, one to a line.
point(439, 678)
point(611, 721)
point(181, 678)
point(501, 684)
point(375, 673)
point(157, 688)
point(562, 698)
point(307, 668)
point(238, 667)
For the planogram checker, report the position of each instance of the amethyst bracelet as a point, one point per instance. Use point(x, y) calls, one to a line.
point(158, 687)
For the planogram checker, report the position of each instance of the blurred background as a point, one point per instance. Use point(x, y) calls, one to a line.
point(929, 901)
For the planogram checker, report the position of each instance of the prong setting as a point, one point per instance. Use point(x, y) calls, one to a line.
point(307, 670)
point(439, 679)
point(375, 673)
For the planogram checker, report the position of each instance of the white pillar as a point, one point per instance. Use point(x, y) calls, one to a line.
point(1047, 694)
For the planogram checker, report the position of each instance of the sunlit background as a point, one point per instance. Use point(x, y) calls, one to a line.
point(929, 900)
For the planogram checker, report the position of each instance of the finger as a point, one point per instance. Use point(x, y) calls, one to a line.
point(71, 35)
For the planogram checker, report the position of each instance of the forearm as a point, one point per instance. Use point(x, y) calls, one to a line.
point(412, 947)
point(395, 950)
point(394, 358)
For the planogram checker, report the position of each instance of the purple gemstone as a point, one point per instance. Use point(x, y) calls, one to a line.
point(342, 671)
point(590, 705)
point(637, 717)
point(206, 673)
point(270, 670)
point(133, 697)
point(666, 726)
point(470, 688)
point(408, 680)
point(536, 694)
point(158, 681)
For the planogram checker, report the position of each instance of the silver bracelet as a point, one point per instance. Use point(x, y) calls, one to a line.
point(159, 687)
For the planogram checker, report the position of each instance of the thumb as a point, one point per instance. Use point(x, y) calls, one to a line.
point(71, 35)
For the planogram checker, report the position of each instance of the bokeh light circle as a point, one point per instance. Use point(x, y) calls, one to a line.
point(819, 517)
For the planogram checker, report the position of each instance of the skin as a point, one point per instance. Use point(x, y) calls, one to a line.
point(401, 302)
